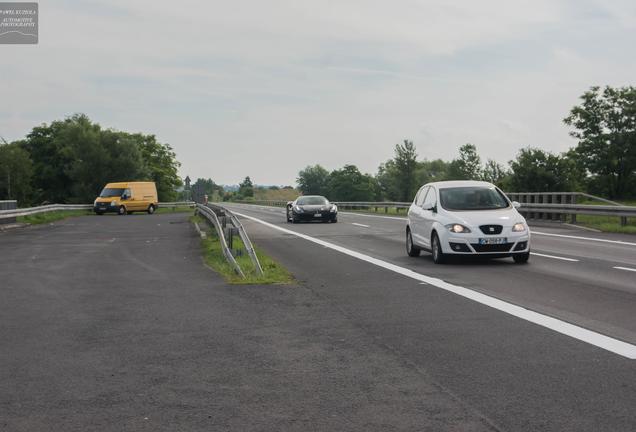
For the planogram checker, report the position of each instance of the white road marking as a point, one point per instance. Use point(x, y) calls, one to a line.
point(583, 238)
point(403, 219)
point(554, 257)
point(360, 225)
point(599, 340)
point(626, 269)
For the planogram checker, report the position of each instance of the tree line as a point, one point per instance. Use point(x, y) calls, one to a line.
point(603, 162)
point(70, 161)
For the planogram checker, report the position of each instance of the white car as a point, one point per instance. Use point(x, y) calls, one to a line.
point(466, 218)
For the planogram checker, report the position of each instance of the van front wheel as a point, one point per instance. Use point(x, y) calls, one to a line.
point(122, 210)
point(151, 209)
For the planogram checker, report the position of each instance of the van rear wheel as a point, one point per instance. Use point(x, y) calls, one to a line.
point(151, 209)
point(122, 210)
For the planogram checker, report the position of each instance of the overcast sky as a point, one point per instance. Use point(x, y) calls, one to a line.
point(264, 88)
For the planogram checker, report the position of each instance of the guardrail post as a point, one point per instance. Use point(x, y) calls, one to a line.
point(623, 220)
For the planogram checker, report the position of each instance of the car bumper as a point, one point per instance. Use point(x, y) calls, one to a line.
point(105, 209)
point(318, 216)
point(470, 244)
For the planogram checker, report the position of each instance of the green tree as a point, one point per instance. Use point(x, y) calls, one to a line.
point(467, 166)
point(313, 180)
point(494, 172)
point(246, 188)
point(160, 165)
point(432, 171)
point(16, 171)
point(605, 125)
point(349, 184)
point(535, 170)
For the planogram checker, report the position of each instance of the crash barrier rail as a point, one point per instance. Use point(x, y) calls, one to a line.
point(219, 216)
point(213, 219)
point(8, 205)
point(223, 212)
point(549, 206)
point(16, 212)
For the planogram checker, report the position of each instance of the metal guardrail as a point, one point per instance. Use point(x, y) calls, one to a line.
point(551, 206)
point(211, 216)
point(242, 233)
point(5, 214)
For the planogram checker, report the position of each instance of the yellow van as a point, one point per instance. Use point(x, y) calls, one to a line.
point(127, 197)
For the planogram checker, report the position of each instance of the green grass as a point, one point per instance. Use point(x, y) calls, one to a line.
point(607, 223)
point(48, 217)
point(174, 209)
point(274, 273)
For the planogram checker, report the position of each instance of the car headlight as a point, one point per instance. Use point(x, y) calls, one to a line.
point(113, 203)
point(457, 228)
point(333, 209)
point(519, 227)
point(298, 209)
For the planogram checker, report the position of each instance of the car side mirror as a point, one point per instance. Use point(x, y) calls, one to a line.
point(433, 209)
point(124, 197)
point(516, 204)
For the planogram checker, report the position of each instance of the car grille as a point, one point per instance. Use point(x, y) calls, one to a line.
point(491, 229)
point(505, 247)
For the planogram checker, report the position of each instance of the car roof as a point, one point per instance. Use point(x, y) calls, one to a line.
point(459, 183)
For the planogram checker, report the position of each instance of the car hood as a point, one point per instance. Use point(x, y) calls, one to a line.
point(505, 217)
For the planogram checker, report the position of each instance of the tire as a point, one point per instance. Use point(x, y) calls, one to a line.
point(334, 220)
point(436, 247)
point(411, 250)
point(521, 258)
point(151, 209)
point(121, 211)
point(287, 219)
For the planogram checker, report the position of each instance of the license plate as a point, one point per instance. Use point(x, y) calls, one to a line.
point(493, 241)
point(318, 215)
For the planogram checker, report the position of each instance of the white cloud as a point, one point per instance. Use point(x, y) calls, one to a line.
point(265, 88)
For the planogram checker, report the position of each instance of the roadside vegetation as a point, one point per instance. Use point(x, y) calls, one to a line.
point(274, 272)
point(48, 217)
point(182, 209)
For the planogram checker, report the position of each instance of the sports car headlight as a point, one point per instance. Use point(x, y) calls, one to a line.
point(457, 228)
point(333, 209)
point(298, 209)
point(519, 227)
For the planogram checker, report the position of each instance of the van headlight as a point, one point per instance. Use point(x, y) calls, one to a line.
point(519, 227)
point(457, 228)
point(113, 203)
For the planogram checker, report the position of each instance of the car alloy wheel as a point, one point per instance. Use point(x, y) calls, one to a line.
point(122, 210)
point(411, 250)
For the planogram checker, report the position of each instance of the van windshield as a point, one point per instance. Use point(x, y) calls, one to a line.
point(111, 192)
point(472, 198)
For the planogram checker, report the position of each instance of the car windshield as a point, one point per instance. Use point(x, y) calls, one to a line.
point(111, 192)
point(312, 200)
point(472, 198)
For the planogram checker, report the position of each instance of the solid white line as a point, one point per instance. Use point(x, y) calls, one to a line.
point(554, 257)
point(583, 238)
point(360, 225)
point(605, 342)
point(626, 269)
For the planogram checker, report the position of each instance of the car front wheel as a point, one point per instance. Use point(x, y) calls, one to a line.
point(436, 247)
point(122, 210)
point(521, 258)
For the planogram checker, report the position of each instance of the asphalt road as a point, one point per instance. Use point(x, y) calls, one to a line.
point(519, 375)
point(113, 323)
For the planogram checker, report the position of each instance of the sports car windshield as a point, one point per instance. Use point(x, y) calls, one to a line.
point(312, 200)
point(472, 198)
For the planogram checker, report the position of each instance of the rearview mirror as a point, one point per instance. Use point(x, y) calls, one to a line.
point(433, 209)
point(516, 204)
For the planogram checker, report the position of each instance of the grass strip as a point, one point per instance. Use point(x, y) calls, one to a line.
point(52, 216)
point(183, 209)
point(273, 272)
